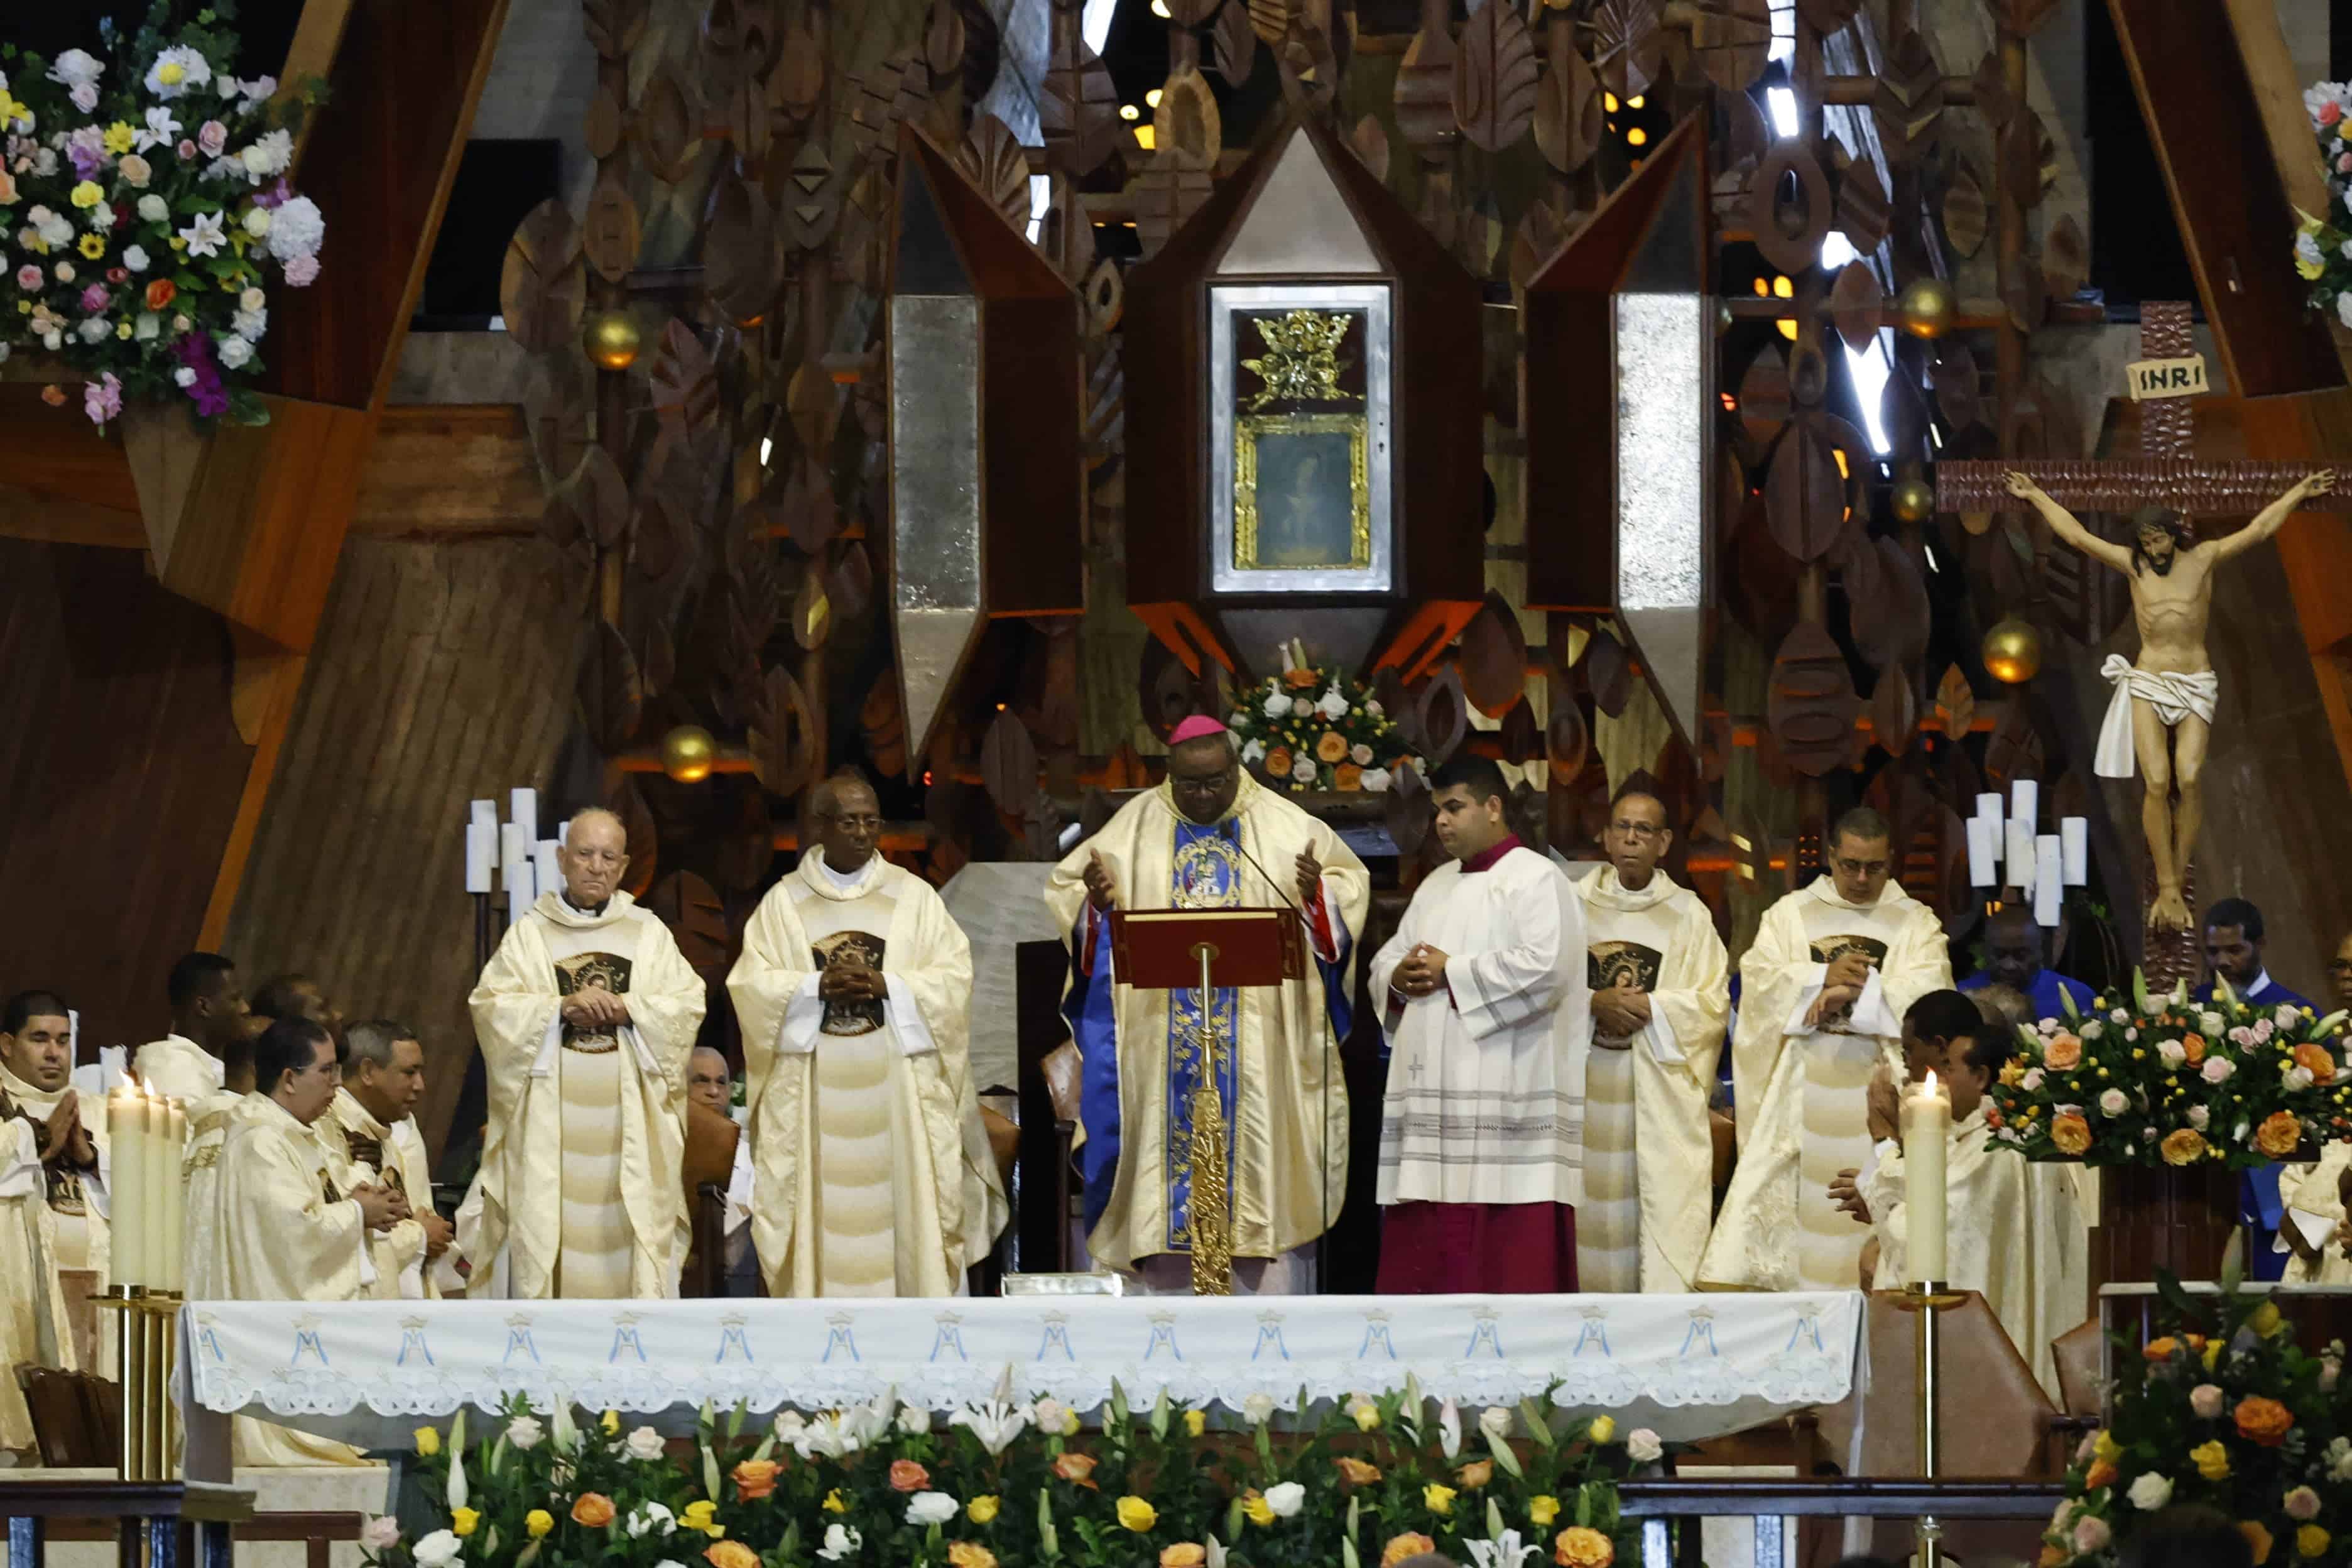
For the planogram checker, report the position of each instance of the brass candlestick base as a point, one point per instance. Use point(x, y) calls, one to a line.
point(1930, 1299)
point(145, 1350)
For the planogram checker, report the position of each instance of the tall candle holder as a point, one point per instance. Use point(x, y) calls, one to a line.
point(1929, 1299)
point(149, 1136)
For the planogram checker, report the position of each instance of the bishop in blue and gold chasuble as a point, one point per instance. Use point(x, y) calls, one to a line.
point(1141, 1051)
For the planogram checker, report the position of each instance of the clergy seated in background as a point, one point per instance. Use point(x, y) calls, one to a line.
point(373, 1140)
point(1823, 990)
point(1661, 990)
point(854, 995)
point(51, 1195)
point(711, 1084)
point(282, 1228)
point(2014, 957)
point(585, 1015)
point(1486, 1009)
point(1210, 837)
point(190, 1064)
point(2010, 1235)
point(296, 997)
point(2234, 952)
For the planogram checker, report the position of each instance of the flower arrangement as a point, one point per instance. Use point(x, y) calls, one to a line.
point(2323, 244)
point(1017, 1486)
point(1310, 727)
point(144, 208)
point(2224, 1411)
point(2173, 1082)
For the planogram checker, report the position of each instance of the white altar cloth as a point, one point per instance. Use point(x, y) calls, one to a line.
point(1690, 1367)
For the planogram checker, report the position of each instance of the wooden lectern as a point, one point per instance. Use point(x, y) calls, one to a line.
point(1207, 949)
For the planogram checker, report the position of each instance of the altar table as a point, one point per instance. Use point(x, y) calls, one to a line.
point(1689, 1367)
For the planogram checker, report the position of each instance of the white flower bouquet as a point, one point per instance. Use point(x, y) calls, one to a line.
point(1310, 727)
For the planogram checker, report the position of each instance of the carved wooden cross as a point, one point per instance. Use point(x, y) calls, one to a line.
point(2166, 473)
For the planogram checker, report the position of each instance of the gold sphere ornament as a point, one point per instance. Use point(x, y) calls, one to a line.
point(1925, 308)
point(687, 753)
point(1914, 500)
point(612, 338)
point(2013, 651)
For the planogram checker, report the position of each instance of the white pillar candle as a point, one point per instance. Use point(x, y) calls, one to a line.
point(126, 1132)
point(514, 843)
point(1989, 807)
point(2074, 849)
point(162, 1175)
point(1926, 1128)
point(1984, 853)
point(481, 854)
point(522, 887)
point(544, 870)
point(485, 812)
point(522, 807)
point(2049, 887)
point(174, 1225)
point(2019, 856)
point(2025, 801)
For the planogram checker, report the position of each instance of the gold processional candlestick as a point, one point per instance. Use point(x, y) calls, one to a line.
point(147, 1136)
point(1213, 1240)
point(1926, 1125)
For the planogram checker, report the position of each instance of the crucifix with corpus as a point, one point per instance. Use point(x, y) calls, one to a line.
point(2162, 714)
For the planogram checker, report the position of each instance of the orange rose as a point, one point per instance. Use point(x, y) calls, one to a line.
point(1183, 1555)
point(1409, 1545)
point(755, 1479)
point(2317, 1059)
point(1301, 679)
point(970, 1555)
point(1355, 1472)
point(1577, 1547)
point(2070, 1132)
point(2258, 1541)
point(2063, 1053)
point(1346, 775)
point(1277, 762)
point(2183, 1146)
point(1475, 1474)
point(161, 293)
point(2195, 1045)
point(1330, 746)
point(2054, 1557)
point(729, 1554)
point(906, 1476)
point(2100, 1474)
point(2263, 1421)
point(2160, 1350)
point(2280, 1132)
point(1077, 1468)
point(593, 1510)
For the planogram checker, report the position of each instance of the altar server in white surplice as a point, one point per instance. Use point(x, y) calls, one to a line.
point(586, 1016)
point(1822, 992)
point(1661, 990)
point(192, 1063)
point(1484, 998)
point(853, 991)
point(282, 1228)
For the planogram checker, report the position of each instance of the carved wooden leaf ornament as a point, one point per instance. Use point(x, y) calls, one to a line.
point(1077, 109)
point(1191, 12)
point(610, 235)
point(2015, 750)
point(1994, 102)
point(1370, 143)
point(1566, 741)
point(670, 133)
point(884, 725)
point(605, 125)
point(1444, 715)
point(874, 98)
point(697, 916)
point(1166, 195)
point(814, 405)
point(1628, 47)
point(611, 700)
point(810, 204)
point(1811, 705)
point(1965, 218)
point(601, 497)
point(798, 80)
point(781, 734)
point(1789, 207)
point(1270, 19)
point(1408, 812)
point(1495, 77)
point(1910, 97)
point(943, 38)
point(1764, 403)
point(1953, 374)
point(1863, 211)
point(1521, 741)
point(1893, 712)
point(542, 290)
point(850, 583)
point(1855, 302)
point(1233, 43)
point(812, 610)
point(1186, 126)
point(1494, 658)
point(806, 509)
point(1608, 673)
point(1541, 232)
point(2065, 259)
point(1733, 41)
point(990, 158)
point(1570, 120)
point(1804, 494)
point(615, 27)
point(2029, 158)
point(685, 384)
point(1104, 296)
point(1008, 765)
point(1891, 626)
point(1956, 703)
point(738, 250)
point(644, 837)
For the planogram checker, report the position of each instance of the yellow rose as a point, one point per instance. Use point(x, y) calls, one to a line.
point(970, 1554)
point(611, 1422)
point(1368, 1416)
point(429, 1441)
point(835, 1502)
point(1258, 1510)
point(730, 1555)
point(120, 138)
point(464, 1520)
point(2213, 1353)
point(538, 1522)
point(1577, 1547)
point(1437, 1499)
point(1602, 1429)
point(86, 195)
point(1195, 1422)
point(983, 1509)
point(2104, 1446)
point(2308, 269)
point(2266, 1321)
point(1543, 1509)
point(2211, 1459)
point(1136, 1514)
point(2311, 1542)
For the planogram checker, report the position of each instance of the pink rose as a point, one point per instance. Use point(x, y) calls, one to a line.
point(2114, 1102)
point(2206, 1400)
point(94, 299)
point(28, 279)
point(2198, 1116)
point(2091, 1534)
point(302, 272)
point(186, 149)
point(2031, 1082)
point(84, 95)
point(2344, 163)
point(2172, 1052)
point(2217, 1069)
point(2330, 112)
point(211, 138)
point(2303, 1505)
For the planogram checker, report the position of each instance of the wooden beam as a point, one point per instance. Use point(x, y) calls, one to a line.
point(64, 519)
point(449, 471)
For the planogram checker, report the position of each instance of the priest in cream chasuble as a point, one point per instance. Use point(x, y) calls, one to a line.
point(854, 991)
point(373, 1140)
point(1486, 1011)
point(1822, 992)
point(586, 1016)
point(51, 1196)
point(1210, 838)
point(208, 1029)
point(1660, 992)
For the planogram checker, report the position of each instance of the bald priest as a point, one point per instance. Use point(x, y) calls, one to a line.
point(1210, 837)
point(586, 1016)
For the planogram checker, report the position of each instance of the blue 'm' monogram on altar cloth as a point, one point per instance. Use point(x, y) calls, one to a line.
point(1205, 874)
point(1269, 1336)
point(519, 1339)
point(1058, 1337)
point(732, 1346)
point(1163, 1336)
point(1484, 1333)
point(1700, 1333)
point(1808, 1327)
point(306, 1343)
point(208, 1340)
point(839, 1337)
point(1595, 1332)
point(412, 1341)
point(950, 1337)
point(1376, 1333)
point(626, 1340)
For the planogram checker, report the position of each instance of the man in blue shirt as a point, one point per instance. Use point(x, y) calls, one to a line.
point(2234, 951)
point(2014, 957)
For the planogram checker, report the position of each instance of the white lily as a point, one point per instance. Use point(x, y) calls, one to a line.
point(1449, 1429)
point(1506, 1551)
point(995, 1424)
